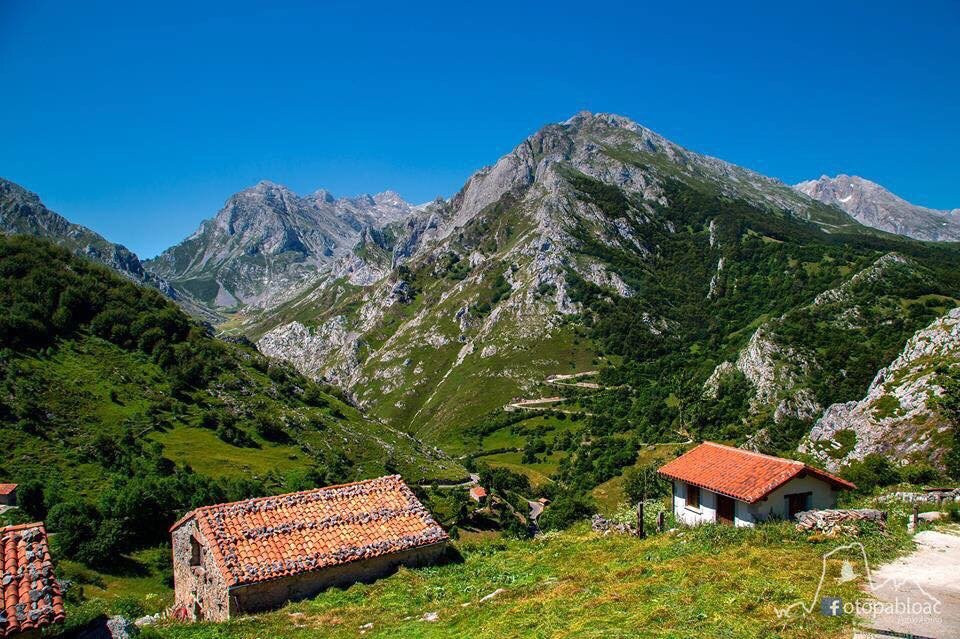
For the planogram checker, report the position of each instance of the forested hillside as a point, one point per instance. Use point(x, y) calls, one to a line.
point(120, 413)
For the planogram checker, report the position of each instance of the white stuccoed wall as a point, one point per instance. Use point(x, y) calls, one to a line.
point(775, 505)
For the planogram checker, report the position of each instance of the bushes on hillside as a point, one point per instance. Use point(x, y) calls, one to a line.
point(873, 471)
point(49, 294)
point(503, 481)
point(567, 508)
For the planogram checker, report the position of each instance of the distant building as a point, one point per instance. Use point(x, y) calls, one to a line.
point(29, 592)
point(8, 494)
point(478, 494)
point(257, 554)
point(716, 483)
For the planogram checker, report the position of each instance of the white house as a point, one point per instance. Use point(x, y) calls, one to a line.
point(725, 485)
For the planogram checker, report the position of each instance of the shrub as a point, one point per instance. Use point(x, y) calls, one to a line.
point(871, 472)
point(566, 509)
point(919, 474)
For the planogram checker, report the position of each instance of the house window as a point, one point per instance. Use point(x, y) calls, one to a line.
point(693, 496)
point(194, 552)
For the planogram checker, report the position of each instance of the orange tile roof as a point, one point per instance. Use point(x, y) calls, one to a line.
point(30, 591)
point(6, 489)
point(478, 491)
point(738, 473)
point(271, 537)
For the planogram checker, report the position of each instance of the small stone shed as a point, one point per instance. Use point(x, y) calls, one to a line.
point(8, 494)
point(726, 485)
point(29, 592)
point(259, 553)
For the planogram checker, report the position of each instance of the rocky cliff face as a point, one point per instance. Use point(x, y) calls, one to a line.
point(267, 243)
point(896, 417)
point(872, 205)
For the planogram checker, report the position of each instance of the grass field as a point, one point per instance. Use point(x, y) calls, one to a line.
point(706, 582)
point(220, 459)
point(538, 473)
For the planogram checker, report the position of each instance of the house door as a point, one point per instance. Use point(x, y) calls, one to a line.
point(796, 503)
point(725, 508)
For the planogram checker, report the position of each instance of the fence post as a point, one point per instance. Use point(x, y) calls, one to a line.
point(661, 521)
point(916, 517)
point(640, 531)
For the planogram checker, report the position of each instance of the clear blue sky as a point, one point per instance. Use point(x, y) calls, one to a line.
point(139, 119)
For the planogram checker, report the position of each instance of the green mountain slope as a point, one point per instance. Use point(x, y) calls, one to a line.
point(111, 398)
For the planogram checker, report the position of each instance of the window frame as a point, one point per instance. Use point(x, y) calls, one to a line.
point(196, 552)
point(686, 501)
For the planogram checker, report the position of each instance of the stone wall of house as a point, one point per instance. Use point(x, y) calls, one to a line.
point(270, 594)
point(201, 590)
point(9, 499)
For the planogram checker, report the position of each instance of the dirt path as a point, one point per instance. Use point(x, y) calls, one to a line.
point(474, 479)
point(929, 576)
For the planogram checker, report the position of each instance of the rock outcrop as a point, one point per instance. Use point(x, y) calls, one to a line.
point(897, 416)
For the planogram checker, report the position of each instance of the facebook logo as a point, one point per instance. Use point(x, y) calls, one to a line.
point(831, 607)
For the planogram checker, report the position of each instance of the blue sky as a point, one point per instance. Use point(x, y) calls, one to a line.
point(140, 119)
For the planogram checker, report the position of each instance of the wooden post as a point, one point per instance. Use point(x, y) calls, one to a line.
point(661, 521)
point(916, 517)
point(640, 531)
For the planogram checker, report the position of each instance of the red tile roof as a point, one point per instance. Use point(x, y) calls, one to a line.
point(30, 591)
point(6, 489)
point(271, 537)
point(478, 491)
point(738, 473)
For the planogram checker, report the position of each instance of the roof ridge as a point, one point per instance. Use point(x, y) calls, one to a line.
point(794, 462)
point(36, 524)
point(203, 509)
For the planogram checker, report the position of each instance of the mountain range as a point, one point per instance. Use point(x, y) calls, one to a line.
point(713, 299)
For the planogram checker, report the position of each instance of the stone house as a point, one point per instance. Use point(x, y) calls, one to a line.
point(259, 553)
point(725, 485)
point(30, 597)
point(8, 494)
point(478, 494)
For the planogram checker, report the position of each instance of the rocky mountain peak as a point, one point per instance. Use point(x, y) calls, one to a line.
point(873, 205)
point(323, 195)
point(267, 241)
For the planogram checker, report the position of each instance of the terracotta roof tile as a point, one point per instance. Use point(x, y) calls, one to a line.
point(738, 473)
point(31, 597)
point(270, 537)
point(6, 489)
point(478, 492)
